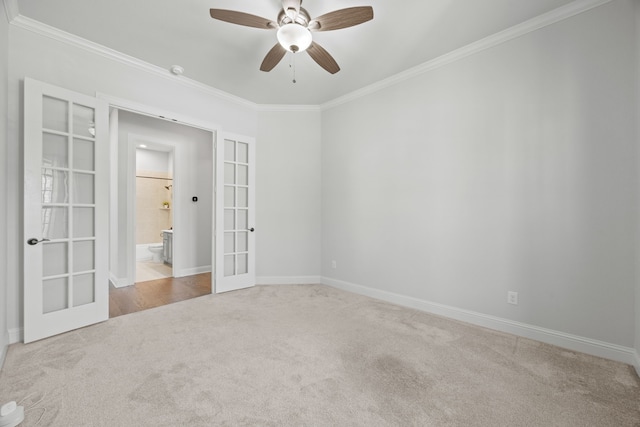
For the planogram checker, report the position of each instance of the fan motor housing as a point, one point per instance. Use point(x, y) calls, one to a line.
point(303, 18)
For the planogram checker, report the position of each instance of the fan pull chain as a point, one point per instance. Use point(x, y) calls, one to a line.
point(292, 65)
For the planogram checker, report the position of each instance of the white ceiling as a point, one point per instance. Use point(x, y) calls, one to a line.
point(402, 34)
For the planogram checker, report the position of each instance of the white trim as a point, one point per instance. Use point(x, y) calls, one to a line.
point(118, 282)
point(192, 271)
point(73, 40)
point(564, 12)
point(541, 21)
point(571, 342)
point(287, 108)
point(114, 261)
point(148, 110)
point(288, 280)
point(4, 348)
point(637, 116)
point(11, 9)
point(158, 113)
point(130, 209)
point(16, 335)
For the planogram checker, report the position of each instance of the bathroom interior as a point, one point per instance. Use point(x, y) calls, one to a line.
point(175, 166)
point(154, 214)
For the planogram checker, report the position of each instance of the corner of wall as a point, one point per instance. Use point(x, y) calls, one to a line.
point(16, 335)
point(4, 348)
point(10, 8)
point(637, 290)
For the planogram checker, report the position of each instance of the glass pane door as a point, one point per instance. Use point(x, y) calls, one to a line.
point(236, 207)
point(235, 268)
point(67, 204)
point(66, 200)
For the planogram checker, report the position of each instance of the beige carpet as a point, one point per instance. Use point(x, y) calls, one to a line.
point(309, 356)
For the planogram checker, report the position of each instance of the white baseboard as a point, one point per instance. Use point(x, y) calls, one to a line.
point(118, 282)
point(191, 271)
point(288, 280)
point(549, 336)
point(15, 335)
point(3, 348)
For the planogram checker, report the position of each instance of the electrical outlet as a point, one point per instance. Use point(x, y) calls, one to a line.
point(334, 264)
point(512, 298)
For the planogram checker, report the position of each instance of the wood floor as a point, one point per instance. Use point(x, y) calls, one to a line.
point(154, 293)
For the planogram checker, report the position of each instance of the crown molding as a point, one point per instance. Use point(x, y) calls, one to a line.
point(564, 12)
point(11, 9)
point(567, 11)
point(287, 108)
point(89, 46)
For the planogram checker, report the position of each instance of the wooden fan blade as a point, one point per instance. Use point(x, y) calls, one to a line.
point(342, 18)
point(242, 18)
point(323, 58)
point(273, 58)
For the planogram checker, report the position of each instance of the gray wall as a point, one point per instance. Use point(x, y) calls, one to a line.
point(288, 195)
point(637, 325)
point(152, 160)
point(512, 169)
point(4, 65)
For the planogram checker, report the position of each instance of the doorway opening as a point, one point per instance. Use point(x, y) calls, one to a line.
point(162, 190)
point(153, 211)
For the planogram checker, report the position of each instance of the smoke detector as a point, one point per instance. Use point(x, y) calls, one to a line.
point(176, 70)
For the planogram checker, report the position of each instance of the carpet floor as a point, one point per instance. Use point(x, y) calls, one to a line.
point(309, 355)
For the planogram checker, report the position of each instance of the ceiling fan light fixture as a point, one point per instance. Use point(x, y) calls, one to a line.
point(294, 37)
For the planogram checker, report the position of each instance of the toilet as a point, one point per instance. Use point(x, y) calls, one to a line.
point(156, 252)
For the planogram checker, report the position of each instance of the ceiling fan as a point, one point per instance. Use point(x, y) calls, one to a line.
point(294, 25)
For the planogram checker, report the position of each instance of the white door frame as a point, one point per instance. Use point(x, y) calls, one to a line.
point(133, 140)
point(214, 128)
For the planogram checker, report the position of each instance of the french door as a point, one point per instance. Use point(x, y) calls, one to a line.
point(66, 220)
point(235, 212)
point(66, 204)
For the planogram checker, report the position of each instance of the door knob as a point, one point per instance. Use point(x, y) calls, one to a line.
point(252, 229)
point(34, 241)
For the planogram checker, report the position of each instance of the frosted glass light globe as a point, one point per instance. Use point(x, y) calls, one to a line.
point(294, 37)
